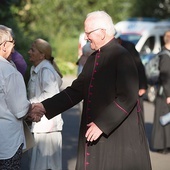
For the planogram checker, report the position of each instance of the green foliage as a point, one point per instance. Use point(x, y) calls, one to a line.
point(66, 54)
point(151, 8)
point(61, 21)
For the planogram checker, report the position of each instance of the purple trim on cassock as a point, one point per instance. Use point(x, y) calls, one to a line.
point(90, 93)
point(121, 108)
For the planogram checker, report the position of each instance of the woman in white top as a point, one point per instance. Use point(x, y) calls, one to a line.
point(45, 82)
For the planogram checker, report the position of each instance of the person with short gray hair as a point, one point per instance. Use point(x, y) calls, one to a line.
point(14, 106)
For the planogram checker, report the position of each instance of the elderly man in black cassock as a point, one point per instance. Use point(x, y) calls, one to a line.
point(112, 135)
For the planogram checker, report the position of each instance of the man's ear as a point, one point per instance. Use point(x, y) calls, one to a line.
point(103, 34)
point(3, 47)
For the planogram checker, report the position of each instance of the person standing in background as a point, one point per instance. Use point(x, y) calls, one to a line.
point(19, 61)
point(160, 140)
point(112, 134)
point(16, 58)
point(44, 83)
point(86, 52)
point(140, 67)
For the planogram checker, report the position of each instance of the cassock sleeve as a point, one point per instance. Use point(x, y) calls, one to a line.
point(64, 100)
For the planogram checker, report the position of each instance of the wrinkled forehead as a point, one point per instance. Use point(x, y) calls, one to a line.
point(34, 47)
point(92, 23)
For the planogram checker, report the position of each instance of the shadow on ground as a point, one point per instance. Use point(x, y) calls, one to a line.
point(148, 128)
point(70, 132)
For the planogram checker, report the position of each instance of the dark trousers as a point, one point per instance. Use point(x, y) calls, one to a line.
point(14, 163)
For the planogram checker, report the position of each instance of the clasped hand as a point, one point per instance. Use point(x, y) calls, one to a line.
point(36, 112)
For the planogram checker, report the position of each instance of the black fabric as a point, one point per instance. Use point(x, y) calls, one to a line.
point(161, 134)
point(140, 67)
point(109, 87)
point(13, 163)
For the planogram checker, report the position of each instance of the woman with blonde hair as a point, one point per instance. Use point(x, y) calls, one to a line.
point(45, 81)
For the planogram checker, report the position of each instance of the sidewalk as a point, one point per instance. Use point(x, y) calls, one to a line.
point(70, 136)
point(159, 161)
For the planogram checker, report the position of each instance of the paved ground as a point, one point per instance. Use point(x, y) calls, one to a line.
point(159, 161)
point(70, 132)
point(70, 137)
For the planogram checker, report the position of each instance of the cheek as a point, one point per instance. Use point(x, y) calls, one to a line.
point(34, 57)
point(31, 57)
point(93, 45)
point(96, 43)
point(11, 49)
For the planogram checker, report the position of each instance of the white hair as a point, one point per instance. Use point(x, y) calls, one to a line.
point(104, 21)
point(5, 33)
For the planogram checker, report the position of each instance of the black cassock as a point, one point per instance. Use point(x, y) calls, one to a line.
point(109, 87)
point(160, 139)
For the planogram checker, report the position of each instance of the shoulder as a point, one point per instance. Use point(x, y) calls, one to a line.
point(10, 75)
point(44, 65)
point(164, 54)
point(6, 69)
point(115, 48)
point(47, 67)
point(127, 44)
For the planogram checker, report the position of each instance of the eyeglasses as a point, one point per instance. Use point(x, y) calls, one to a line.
point(12, 41)
point(88, 33)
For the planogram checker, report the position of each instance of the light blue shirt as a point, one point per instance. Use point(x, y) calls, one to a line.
point(13, 106)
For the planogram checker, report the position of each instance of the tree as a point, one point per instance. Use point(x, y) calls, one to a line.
point(151, 8)
point(61, 21)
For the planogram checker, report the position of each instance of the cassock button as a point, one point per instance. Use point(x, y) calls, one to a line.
point(87, 153)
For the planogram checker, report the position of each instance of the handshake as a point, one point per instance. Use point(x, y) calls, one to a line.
point(35, 112)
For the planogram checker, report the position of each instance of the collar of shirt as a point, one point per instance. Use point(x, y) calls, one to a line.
point(3, 59)
point(38, 67)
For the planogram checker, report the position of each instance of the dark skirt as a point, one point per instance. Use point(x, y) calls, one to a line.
point(13, 163)
point(160, 139)
point(126, 148)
